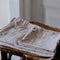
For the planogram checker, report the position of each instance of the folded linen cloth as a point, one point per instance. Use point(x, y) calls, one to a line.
point(23, 35)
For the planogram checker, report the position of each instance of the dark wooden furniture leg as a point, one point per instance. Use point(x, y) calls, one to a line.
point(3, 55)
point(9, 56)
point(23, 57)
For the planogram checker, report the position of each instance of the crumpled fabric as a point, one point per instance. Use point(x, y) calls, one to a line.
point(29, 37)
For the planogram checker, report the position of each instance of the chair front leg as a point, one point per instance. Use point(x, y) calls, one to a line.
point(3, 54)
point(9, 56)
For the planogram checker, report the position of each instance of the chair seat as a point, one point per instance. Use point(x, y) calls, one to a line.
point(29, 38)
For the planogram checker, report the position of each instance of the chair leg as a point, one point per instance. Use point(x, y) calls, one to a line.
point(9, 56)
point(3, 55)
point(29, 58)
point(23, 58)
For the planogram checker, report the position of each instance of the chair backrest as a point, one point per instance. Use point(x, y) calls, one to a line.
point(45, 26)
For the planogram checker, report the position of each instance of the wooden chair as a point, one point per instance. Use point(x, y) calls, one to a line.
point(26, 55)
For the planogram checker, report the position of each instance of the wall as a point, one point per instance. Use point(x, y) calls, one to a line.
point(46, 11)
point(4, 13)
point(27, 9)
point(14, 8)
point(38, 11)
point(52, 12)
point(8, 10)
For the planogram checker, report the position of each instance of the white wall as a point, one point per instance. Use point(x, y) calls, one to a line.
point(52, 16)
point(14, 8)
point(21, 8)
point(4, 13)
point(8, 10)
point(37, 10)
point(46, 11)
point(27, 9)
